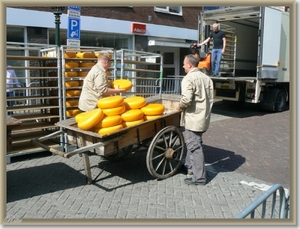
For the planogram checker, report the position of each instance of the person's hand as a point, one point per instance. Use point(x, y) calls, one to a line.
point(177, 107)
point(223, 51)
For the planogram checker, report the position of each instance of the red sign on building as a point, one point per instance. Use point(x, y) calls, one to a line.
point(138, 28)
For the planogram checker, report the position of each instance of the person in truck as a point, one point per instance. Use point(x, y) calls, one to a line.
point(219, 44)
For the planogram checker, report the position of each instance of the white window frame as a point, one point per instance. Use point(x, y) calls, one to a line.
point(168, 9)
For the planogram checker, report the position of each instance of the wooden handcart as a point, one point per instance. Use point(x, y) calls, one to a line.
point(162, 137)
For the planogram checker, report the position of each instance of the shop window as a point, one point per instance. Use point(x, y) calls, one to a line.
point(94, 39)
point(15, 34)
point(177, 10)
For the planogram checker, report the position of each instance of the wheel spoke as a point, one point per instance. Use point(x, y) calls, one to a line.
point(157, 167)
point(158, 156)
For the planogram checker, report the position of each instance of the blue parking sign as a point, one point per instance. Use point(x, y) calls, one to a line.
point(73, 28)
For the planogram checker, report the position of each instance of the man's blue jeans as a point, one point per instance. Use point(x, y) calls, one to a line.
point(216, 56)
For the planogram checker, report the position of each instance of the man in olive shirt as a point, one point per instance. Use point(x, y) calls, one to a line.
point(95, 85)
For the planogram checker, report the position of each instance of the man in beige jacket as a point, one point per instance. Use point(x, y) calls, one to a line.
point(196, 104)
point(95, 84)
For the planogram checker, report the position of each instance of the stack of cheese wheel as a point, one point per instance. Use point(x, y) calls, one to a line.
point(72, 112)
point(85, 55)
point(87, 120)
point(72, 83)
point(122, 84)
point(72, 103)
point(71, 64)
point(86, 64)
point(112, 108)
point(82, 73)
point(71, 74)
point(153, 110)
point(69, 54)
point(73, 92)
point(133, 114)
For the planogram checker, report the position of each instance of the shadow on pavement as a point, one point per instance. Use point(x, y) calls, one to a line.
point(220, 160)
point(132, 169)
point(34, 181)
point(234, 111)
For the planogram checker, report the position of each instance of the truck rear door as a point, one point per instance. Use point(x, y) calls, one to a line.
point(269, 43)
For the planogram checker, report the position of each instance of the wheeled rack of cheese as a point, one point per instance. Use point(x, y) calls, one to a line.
point(76, 62)
point(30, 100)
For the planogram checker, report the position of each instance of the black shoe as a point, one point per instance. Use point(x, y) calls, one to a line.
point(190, 181)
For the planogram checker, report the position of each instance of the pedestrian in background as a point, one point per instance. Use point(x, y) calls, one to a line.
point(196, 104)
point(219, 44)
point(95, 84)
point(11, 82)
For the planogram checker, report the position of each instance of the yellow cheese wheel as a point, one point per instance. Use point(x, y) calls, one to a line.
point(122, 84)
point(86, 55)
point(115, 110)
point(150, 117)
point(70, 74)
point(73, 83)
point(108, 121)
point(71, 64)
point(132, 115)
point(82, 73)
point(132, 123)
point(70, 55)
point(134, 102)
point(110, 102)
point(90, 119)
point(79, 116)
point(153, 109)
point(108, 130)
point(72, 112)
point(71, 103)
point(87, 64)
point(73, 92)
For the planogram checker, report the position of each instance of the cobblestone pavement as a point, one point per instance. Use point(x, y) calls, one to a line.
point(238, 151)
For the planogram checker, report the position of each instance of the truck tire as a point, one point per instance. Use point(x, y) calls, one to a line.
point(280, 102)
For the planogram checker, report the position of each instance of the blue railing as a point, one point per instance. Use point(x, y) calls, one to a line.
point(278, 207)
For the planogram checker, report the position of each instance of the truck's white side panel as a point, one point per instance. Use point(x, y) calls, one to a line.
point(270, 43)
point(284, 68)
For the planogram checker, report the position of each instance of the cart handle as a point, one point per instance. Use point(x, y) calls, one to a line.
point(38, 141)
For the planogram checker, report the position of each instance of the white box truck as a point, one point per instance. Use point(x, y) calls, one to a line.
point(255, 65)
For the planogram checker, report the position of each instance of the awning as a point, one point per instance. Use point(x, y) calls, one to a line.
point(168, 43)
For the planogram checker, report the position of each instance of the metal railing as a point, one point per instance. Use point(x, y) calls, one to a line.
point(276, 207)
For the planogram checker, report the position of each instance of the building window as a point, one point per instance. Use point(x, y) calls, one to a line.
point(96, 39)
point(176, 10)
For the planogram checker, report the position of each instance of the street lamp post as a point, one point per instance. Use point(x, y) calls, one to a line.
point(57, 12)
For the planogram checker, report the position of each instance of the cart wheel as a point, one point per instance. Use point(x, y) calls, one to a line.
point(122, 153)
point(165, 152)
